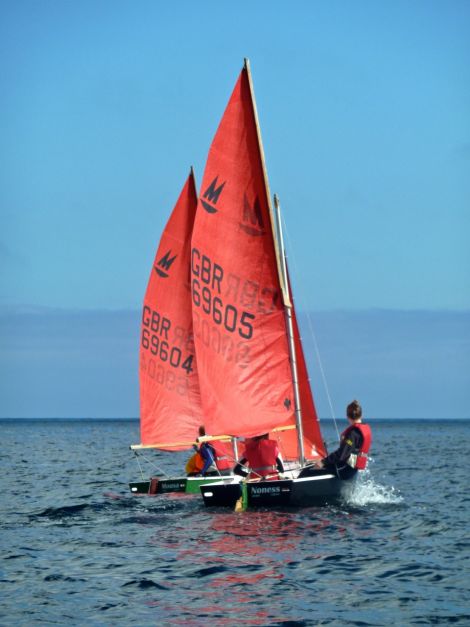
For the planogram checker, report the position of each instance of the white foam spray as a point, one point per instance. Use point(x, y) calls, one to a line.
point(365, 491)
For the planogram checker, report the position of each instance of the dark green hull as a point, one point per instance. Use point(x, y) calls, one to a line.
point(187, 485)
point(162, 486)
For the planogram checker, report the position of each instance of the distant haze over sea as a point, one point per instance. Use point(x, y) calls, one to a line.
point(399, 364)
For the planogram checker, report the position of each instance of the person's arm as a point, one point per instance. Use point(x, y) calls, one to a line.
point(341, 454)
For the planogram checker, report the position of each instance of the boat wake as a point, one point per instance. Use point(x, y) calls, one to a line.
point(365, 491)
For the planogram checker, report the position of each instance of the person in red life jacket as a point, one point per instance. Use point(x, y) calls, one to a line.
point(355, 442)
point(263, 458)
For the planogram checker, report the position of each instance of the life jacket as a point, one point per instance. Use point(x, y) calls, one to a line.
point(358, 459)
point(261, 456)
point(223, 455)
point(194, 464)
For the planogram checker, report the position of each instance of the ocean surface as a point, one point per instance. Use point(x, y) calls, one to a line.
point(79, 549)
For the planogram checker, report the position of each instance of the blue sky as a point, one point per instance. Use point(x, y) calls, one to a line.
point(365, 115)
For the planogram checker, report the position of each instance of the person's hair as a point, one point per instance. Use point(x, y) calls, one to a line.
point(354, 410)
point(202, 430)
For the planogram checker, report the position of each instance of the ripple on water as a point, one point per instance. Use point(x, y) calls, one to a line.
point(395, 551)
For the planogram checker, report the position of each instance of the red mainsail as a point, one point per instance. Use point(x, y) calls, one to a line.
point(238, 313)
point(170, 402)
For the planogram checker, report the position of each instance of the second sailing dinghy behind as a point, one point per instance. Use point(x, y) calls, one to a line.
point(170, 401)
point(251, 367)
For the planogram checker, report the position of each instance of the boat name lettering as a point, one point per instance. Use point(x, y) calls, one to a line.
point(211, 275)
point(268, 490)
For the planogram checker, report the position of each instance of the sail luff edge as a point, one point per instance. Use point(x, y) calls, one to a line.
point(284, 289)
point(290, 337)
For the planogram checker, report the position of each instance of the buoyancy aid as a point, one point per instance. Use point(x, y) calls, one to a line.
point(223, 455)
point(194, 464)
point(358, 459)
point(261, 456)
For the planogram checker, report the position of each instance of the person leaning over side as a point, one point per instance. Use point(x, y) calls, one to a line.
point(355, 441)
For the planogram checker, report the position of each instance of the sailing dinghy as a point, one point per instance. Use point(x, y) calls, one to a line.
point(251, 368)
point(170, 412)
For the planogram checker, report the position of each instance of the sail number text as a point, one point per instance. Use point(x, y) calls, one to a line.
point(155, 339)
point(207, 279)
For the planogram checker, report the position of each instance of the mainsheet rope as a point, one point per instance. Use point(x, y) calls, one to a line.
point(297, 273)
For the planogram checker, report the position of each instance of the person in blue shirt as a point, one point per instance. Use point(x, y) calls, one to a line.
point(207, 452)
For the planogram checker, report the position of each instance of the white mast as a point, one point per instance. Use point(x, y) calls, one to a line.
point(290, 333)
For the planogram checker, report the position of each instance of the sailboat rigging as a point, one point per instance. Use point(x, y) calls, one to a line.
point(241, 295)
point(220, 342)
point(170, 398)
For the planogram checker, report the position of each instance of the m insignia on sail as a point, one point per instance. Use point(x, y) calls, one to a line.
point(165, 264)
point(212, 194)
point(252, 217)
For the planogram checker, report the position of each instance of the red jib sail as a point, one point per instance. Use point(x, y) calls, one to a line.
point(238, 313)
point(170, 403)
point(314, 447)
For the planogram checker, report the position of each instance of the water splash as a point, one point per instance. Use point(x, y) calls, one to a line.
point(365, 491)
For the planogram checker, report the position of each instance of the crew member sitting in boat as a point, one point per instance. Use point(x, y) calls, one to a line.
point(355, 442)
point(195, 464)
point(203, 462)
point(262, 457)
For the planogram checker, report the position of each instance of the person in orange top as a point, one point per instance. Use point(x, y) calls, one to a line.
point(204, 461)
point(263, 458)
point(194, 465)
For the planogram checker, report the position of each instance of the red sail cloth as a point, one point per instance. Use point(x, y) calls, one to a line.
point(170, 404)
point(238, 317)
point(238, 314)
point(314, 447)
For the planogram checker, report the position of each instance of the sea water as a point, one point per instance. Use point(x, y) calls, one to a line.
point(79, 549)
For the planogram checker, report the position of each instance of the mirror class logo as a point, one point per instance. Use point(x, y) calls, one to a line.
point(252, 218)
point(163, 266)
point(211, 196)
